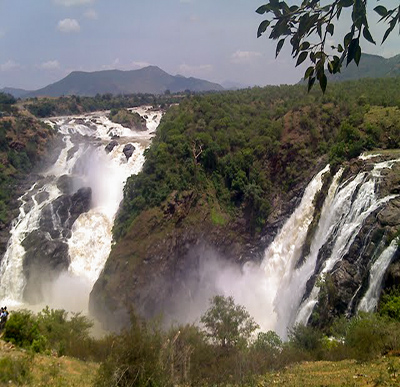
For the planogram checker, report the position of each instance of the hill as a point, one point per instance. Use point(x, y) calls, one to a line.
point(150, 79)
point(371, 66)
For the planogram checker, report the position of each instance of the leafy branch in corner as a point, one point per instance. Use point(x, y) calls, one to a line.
point(311, 21)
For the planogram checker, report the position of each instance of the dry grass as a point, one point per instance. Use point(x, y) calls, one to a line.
point(382, 372)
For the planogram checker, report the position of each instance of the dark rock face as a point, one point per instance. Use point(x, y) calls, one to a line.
point(128, 150)
point(111, 146)
point(46, 248)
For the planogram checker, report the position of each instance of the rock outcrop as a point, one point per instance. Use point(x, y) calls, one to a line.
point(46, 248)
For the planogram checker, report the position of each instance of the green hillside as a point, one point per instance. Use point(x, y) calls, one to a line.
point(371, 66)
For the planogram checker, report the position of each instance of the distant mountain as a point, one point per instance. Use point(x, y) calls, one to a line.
point(17, 93)
point(150, 79)
point(371, 66)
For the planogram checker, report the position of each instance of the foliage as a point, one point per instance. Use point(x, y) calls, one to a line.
point(389, 305)
point(7, 99)
point(47, 107)
point(306, 338)
point(22, 329)
point(244, 148)
point(228, 324)
point(136, 359)
point(128, 119)
point(299, 24)
point(369, 335)
point(51, 330)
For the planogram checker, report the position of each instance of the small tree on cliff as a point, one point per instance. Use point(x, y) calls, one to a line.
point(227, 324)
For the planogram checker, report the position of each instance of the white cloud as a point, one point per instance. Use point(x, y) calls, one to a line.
point(195, 71)
point(9, 66)
point(141, 64)
point(68, 25)
point(71, 3)
point(114, 65)
point(246, 57)
point(50, 65)
point(91, 14)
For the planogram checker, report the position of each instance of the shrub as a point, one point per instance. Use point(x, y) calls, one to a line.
point(21, 329)
point(306, 338)
point(368, 336)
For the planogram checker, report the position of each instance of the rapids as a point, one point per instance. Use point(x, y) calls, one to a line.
point(82, 162)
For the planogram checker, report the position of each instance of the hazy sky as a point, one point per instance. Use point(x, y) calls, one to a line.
point(41, 41)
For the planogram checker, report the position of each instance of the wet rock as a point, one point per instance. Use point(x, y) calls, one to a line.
point(128, 150)
point(63, 211)
point(390, 216)
point(81, 201)
point(65, 184)
point(111, 146)
point(41, 197)
point(44, 260)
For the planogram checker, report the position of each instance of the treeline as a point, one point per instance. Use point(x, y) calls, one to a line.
point(245, 146)
point(46, 107)
point(225, 350)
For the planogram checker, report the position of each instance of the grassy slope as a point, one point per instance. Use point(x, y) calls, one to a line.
point(43, 370)
point(381, 372)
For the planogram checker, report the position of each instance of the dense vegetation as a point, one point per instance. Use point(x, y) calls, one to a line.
point(245, 146)
point(127, 119)
point(146, 355)
point(47, 107)
point(23, 140)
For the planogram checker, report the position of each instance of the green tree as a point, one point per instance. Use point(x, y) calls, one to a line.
point(228, 324)
point(301, 24)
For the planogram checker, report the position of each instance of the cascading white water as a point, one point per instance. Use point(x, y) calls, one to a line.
point(284, 252)
point(293, 286)
point(370, 300)
point(85, 159)
point(353, 202)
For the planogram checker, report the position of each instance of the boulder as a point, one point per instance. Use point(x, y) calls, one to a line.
point(111, 146)
point(128, 150)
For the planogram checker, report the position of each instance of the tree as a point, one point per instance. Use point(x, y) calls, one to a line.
point(301, 24)
point(228, 324)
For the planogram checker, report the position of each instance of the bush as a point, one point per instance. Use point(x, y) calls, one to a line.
point(52, 330)
point(21, 329)
point(368, 336)
point(136, 358)
point(306, 338)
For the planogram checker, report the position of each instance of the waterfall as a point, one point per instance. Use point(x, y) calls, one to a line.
point(282, 255)
point(370, 300)
point(84, 161)
point(354, 201)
